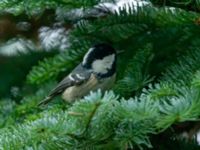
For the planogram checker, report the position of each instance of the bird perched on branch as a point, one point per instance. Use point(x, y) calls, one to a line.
point(96, 71)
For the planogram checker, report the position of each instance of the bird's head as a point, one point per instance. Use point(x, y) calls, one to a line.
point(101, 59)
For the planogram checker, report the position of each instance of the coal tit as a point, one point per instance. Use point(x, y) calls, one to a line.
point(97, 71)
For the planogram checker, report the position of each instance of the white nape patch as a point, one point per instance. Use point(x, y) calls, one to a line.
point(87, 55)
point(79, 76)
point(198, 137)
point(102, 65)
point(71, 78)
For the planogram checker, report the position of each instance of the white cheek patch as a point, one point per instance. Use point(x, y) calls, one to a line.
point(98, 66)
point(85, 58)
point(102, 65)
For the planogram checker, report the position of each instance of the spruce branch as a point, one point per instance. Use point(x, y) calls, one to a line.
point(117, 27)
point(35, 7)
point(136, 75)
point(107, 121)
point(187, 65)
point(180, 109)
point(124, 123)
point(173, 79)
point(91, 115)
point(51, 67)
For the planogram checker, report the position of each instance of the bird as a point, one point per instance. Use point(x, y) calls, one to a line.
point(96, 71)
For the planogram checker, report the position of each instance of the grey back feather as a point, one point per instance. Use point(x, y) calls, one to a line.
point(78, 76)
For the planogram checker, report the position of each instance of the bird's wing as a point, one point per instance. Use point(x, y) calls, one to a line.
point(78, 76)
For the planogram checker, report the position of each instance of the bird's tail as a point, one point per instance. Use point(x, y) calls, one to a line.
point(45, 101)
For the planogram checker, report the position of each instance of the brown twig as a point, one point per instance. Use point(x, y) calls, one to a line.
point(91, 116)
point(75, 113)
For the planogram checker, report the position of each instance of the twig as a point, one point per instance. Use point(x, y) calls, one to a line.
point(75, 113)
point(91, 116)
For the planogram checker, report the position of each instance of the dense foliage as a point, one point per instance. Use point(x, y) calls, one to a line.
point(157, 93)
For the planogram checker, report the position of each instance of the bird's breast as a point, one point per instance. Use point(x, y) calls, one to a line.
point(78, 91)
